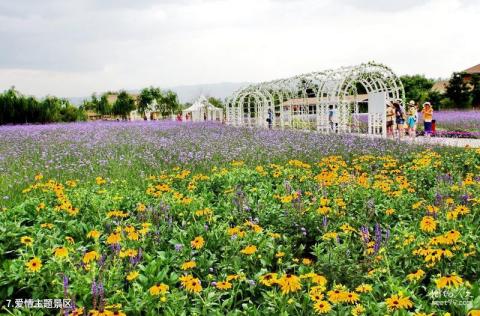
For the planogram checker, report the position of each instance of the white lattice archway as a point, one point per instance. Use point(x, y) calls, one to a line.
point(305, 101)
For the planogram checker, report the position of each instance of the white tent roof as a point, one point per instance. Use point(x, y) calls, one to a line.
point(201, 103)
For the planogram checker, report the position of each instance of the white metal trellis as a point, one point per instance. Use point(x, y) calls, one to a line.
point(307, 101)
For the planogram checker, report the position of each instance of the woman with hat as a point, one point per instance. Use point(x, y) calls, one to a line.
point(427, 118)
point(412, 119)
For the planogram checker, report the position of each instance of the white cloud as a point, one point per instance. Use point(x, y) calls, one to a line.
point(84, 46)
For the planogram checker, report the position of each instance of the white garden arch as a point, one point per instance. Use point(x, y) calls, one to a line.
point(303, 101)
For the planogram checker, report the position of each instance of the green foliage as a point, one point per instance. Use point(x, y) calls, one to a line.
point(417, 87)
point(16, 108)
point(123, 105)
point(216, 102)
point(458, 91)
point(475, 90)
point(167, 103)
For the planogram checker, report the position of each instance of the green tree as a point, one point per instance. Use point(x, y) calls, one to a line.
point(475, 90)
point(216, 102)
point(458, 91)
point(167, 103)
point(123, 105)
point(417, 87)
point(145, 100)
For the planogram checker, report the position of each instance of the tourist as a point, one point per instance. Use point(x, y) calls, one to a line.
point(333, 118)
point(427, 118)
point(179, 117)
point(270, 118)
point(399, 118)
point(390, 115)
point(412, 119)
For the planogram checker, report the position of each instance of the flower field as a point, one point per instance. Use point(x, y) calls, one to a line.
point(168, 219)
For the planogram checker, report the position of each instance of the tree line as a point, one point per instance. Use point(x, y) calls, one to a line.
point(16, 108)
point(150, 99)
point(462, 91)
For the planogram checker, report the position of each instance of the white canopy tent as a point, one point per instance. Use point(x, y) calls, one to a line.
point(202, 110)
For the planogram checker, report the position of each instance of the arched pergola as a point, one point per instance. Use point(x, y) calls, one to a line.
point(304, 101)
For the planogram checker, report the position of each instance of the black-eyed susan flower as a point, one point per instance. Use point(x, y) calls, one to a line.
point(428, 224)
point(192, 285)
point(158, 289)
point(448, 281)
point(132, 275)
point(60, 252)
point(336, 295)
point(198, 242)
point(398, 301)
point(358, 310)
point(364, 288)
point(289, 283)
point(114, 238)
point(268, 279)
point(95, 234)
point(322, 307)
point(34, 265)
point(351, 297)
point(415, 276)
point(223, 285)
point(90, 256)
point(27, 241)
point(188, 265)
point(249, 250)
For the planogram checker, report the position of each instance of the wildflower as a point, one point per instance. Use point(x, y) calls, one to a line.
point(390, 211)
point(100, 180)
point(289, 283)
point(428, 224)
point(60, 252)
point(316, 296)
point(319, 279)
point(249, 250)
point(416, 275)
point(47, 225)
point(474, 312)
point(268, 279)
point(191, 284)
point(364, 288)
point(141, 207)
point(336, 296)
point(34, 265)
point(70, 240)
point(450, 280)
point(198, 242)
point(114, 238)
point(27, 241)
point(224, 285)
point(398, 301)
point(188, 265)
point(358, 310)
point(322, 307)
point(93, 234)
point(158, 289)
point(90, 256)
point(132, 275)
point(317, 290)
point(351, 297)
point(279, 254)
point(306, 261)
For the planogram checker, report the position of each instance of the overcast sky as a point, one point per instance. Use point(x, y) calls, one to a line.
point(76, 47)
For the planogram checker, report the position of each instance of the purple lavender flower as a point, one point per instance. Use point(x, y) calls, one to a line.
point(178, 247)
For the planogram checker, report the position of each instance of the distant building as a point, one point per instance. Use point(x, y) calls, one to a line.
point(468, 73)
point(442, 85)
